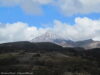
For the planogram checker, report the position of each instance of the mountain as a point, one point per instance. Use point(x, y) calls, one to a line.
point(28, 47)
point(48, 37)
point(55, 38)
point(87, 44)
point(91, 44)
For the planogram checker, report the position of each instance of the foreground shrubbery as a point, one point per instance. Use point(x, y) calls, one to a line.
point(52, 63)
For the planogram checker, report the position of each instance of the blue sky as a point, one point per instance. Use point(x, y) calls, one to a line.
point(16, 14)
point(73, 19)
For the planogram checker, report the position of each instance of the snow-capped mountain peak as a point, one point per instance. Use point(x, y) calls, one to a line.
point(47, 37)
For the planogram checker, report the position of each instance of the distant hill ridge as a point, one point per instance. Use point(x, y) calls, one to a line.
point(55, 38)
point(28, 47)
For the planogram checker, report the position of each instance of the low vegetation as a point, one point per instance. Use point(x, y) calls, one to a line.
point(50, 61)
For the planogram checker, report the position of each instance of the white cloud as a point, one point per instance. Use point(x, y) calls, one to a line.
point(18, 32)
point(71, 7)
point(83, 29)
point(43, 1)
point(67, 7)
point(29, 6)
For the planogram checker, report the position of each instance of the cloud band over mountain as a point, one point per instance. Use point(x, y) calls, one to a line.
point(84, 28)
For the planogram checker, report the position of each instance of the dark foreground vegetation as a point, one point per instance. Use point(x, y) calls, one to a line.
point(25, 58)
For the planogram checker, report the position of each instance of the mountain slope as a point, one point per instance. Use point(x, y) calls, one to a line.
point(54, 38)
point(95, 44)
point(47, 37)
point(28, 47)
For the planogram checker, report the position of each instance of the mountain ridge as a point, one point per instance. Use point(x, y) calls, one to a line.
point(55, 38)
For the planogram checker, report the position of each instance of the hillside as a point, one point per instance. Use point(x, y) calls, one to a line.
point(48, 59)
point(28, 47)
